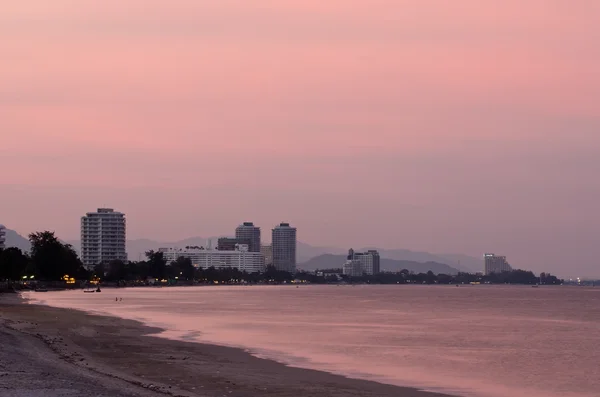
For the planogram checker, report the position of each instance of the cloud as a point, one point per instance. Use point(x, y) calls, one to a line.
point(425, 125)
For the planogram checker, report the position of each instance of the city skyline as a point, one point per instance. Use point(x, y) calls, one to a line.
point(226, 243)
point(446, 129)
point(215, 239)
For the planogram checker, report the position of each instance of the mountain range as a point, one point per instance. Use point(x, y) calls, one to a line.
point(14, 239)
point(330, 261)
point(309, 257)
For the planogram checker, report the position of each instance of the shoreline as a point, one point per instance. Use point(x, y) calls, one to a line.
point(128, 355)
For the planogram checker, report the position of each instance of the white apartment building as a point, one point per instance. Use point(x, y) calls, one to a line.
point(103, 236)
point(2, 236)
point(496, 264)
point(240, 258)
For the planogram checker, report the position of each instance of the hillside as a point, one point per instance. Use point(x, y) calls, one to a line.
point(463, 263)
point(329, 261)
point(14, 239)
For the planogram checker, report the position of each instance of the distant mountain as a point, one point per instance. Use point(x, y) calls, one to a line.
point(14, 239)
point(304, 251)
point(461, 262)
point(330, 261)
point(464, 262)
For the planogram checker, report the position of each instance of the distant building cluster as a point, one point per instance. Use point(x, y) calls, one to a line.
point(244, 251)
point(495, 264)
point(2, 236)
point(360, 263)
point(103, 239)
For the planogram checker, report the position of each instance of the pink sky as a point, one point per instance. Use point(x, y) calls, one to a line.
point(466, 126)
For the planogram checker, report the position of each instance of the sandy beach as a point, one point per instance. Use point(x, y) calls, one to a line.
point(57, 352)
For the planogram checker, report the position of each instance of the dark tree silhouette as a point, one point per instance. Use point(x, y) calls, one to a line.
point(52, 259)
point(157, 265)
point(13, 264)
point(182, 268)
point(116, 270)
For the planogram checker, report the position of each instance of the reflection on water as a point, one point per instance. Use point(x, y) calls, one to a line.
point(473, 340)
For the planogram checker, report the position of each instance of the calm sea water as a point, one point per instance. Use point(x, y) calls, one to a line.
point(488, 341)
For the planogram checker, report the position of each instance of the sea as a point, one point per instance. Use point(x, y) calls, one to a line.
point(472, 341)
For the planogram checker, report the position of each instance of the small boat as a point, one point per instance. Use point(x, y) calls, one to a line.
point(89, 290)
point(535, 286)
point(41, 290)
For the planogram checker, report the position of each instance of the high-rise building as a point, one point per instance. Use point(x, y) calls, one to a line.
point(239, 258)
point(2, 236)
point(229, 244)
point(247, 231)
point(369, 263)
point(496, 264)
point(284, 247)
point(267, 252)
point(102, 237)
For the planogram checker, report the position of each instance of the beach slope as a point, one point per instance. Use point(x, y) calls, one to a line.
point(57, 352)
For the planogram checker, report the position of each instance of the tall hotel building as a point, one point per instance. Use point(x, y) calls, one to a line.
point(496, 264)
point(248, 232)
point(2, 236)
point(369, 261)
point(102, 237)
point(284, 247)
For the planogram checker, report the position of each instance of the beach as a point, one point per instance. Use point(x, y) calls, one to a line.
point(51, 351)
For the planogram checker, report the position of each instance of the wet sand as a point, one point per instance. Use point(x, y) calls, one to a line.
point(57, 352)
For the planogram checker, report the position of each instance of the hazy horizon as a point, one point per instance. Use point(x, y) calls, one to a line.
point(429, 126)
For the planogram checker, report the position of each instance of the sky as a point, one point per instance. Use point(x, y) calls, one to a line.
point(469, 126)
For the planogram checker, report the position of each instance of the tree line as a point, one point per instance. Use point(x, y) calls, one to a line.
point(406, 277)
point(49, 259)
point(156, 267)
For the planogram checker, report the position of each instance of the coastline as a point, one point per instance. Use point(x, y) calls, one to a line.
point(124, 356)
